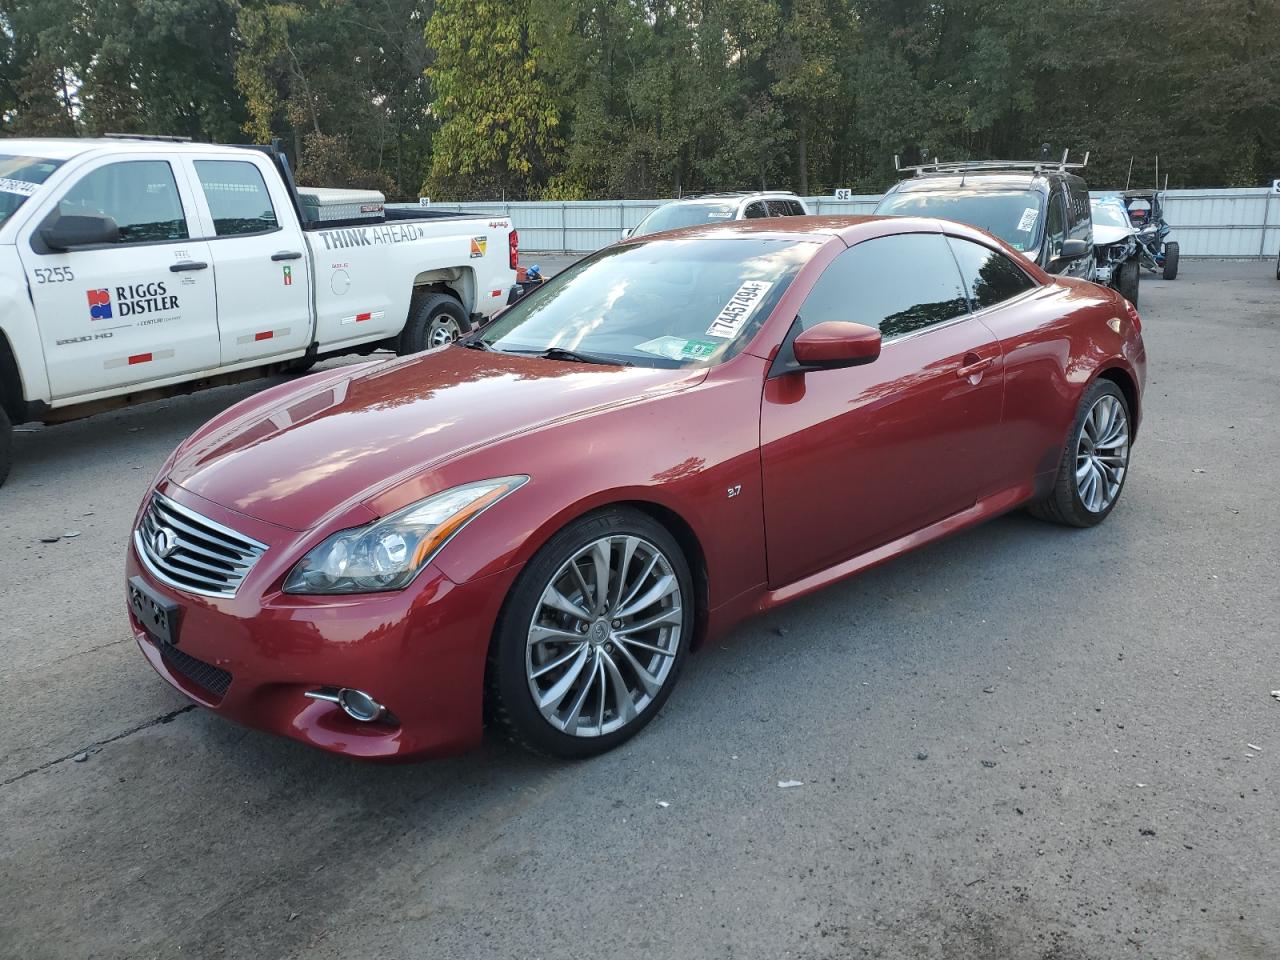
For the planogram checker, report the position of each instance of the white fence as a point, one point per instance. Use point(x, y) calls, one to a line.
point(1235, 222)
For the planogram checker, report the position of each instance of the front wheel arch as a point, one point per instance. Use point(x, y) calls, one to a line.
point(1124, 380)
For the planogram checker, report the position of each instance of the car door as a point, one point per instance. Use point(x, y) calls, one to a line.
point(137, 309)
point(259, 263)
point(855, 458)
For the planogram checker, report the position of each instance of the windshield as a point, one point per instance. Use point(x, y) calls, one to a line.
point(676, 215)
point(1012, 215)
point(19, 178)
point(662, 303)
point(1110, 213)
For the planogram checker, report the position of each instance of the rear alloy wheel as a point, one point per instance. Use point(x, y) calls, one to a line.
point(1171, 261)
point(1095, 462)
point(592, 637)
point(435, 319)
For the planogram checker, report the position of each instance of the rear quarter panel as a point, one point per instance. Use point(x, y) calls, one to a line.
point(365, 276)
point(1056, 343)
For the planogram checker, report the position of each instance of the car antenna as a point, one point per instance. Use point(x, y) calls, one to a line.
point(1129, 176)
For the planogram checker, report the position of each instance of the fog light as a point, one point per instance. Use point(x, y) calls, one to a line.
point(358, 705)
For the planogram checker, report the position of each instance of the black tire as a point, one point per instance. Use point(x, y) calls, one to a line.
point(434, 320)
point(6, 445)
point(509, 701)
point(1063, 504)
point(1171, 261)
point(1127, 280)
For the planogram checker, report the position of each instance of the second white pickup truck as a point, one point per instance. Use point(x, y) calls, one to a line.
point(137, 268)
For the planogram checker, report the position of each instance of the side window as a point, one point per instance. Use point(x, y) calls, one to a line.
point(141, 196)
point(1083, 216)
point(900, 284)
point(796, 209)
point(1055, 229)
point(237, 197)
point(754, 210)
point(989, 275)
point(781, 208)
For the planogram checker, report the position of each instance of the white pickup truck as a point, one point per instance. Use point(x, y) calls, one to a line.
point(137, 268)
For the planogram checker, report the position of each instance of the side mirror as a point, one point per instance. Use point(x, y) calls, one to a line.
point(1073, 250)
point(835, 344)
point(81, 230)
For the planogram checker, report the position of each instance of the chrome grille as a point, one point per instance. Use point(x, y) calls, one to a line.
point(199, 556)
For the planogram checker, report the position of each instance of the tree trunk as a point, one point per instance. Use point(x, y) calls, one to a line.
point(802, 156)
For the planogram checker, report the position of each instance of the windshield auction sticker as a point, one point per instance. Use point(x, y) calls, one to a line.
point(1029, 217)
point(21, 187)
point(730, 321)
point(678, 348)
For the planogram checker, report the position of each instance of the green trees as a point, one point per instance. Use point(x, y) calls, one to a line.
point(605, 98)
point(498, 123)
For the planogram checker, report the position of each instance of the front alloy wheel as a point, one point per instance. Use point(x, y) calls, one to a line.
point(604, 636)
point(599, 621)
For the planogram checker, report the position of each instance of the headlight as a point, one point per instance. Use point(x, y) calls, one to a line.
point(387, 554)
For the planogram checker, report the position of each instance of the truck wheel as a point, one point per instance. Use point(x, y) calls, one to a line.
point(1171, 261)
point(6, 445)
point(434, 320)
point(1127, 279)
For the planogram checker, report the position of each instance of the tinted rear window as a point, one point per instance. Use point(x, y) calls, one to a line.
point(990, 276)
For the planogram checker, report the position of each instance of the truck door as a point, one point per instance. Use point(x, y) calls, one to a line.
point(259, 262)
point(138, 309)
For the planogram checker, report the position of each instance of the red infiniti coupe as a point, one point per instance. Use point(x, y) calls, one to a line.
point(538, 523)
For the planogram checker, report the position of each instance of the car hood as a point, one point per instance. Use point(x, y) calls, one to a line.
point(1105, 236)
point(299, 457)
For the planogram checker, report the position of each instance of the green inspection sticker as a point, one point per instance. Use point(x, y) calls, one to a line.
point(678, 348)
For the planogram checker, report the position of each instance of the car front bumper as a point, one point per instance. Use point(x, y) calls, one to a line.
point(420, 652)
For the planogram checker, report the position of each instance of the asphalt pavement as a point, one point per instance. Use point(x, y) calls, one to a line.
point(1023, 742)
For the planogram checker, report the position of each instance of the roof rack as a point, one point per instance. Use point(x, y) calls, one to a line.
point(146, 136)
point(967, 166)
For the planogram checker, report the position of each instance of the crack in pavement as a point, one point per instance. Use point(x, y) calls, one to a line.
point(164, 718)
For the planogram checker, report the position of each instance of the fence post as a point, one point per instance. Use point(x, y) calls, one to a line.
point(1266, 216)
point(564, 228)
point(622, 220)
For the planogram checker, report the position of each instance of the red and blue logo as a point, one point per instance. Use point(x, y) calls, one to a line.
point(99, 304)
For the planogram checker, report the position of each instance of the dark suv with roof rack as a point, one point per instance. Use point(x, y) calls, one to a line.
point(1037, 207)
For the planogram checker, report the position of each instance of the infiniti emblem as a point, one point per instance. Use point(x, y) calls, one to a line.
point(164, 541)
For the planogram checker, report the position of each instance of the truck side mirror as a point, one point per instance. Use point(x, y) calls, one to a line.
point(68, 231)
point(1073, 250)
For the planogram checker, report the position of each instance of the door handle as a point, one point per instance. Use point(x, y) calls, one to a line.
point(187, 265)
point(286, 255)
point(974, 366)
